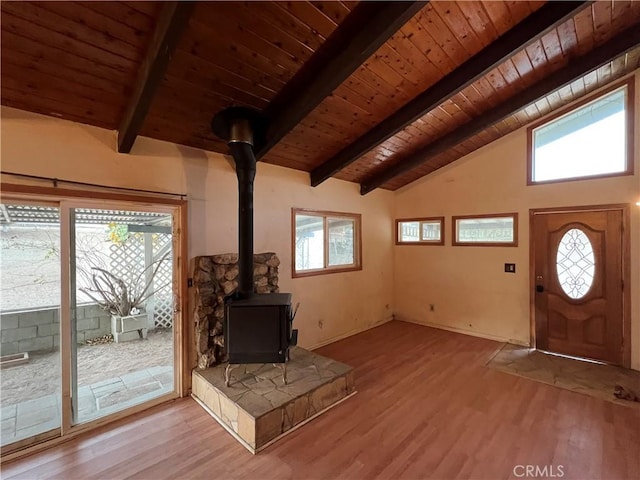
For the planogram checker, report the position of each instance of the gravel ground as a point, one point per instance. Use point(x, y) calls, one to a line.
point(41, 376)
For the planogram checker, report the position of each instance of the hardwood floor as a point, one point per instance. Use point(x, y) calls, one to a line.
point(427, 407)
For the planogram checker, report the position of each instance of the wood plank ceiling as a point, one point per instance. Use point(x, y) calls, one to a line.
point(82, 60)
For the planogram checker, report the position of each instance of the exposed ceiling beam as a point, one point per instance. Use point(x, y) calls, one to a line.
point(361, 33)
point(527, 31)
point(170, 24)
point(577, 68)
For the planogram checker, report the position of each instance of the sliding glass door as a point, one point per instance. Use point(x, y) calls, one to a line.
point(122, 309)
point(30, 321)
point(88, 313)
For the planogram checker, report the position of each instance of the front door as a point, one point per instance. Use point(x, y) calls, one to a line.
point(578, 272)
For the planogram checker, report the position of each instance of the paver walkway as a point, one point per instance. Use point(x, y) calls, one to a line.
point(29, 418)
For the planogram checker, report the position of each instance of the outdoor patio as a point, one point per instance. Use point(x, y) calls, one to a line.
point(110, 377)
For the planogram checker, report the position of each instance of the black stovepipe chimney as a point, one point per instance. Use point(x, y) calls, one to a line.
point(241, 128)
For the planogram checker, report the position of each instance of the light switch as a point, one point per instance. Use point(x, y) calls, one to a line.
point(510, 267)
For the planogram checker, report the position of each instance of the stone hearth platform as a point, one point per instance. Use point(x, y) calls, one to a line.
point(257, 408)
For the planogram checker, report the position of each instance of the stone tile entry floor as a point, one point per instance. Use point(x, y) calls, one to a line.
point(594, 379)
point(31, 417)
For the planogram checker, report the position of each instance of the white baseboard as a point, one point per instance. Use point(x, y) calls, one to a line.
point(473, 333)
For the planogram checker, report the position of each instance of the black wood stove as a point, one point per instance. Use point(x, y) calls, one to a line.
point(257, 328)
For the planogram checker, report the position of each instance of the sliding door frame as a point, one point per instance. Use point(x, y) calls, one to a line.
point(67, 200)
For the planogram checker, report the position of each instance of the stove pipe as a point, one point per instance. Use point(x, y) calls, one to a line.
point(241, 128)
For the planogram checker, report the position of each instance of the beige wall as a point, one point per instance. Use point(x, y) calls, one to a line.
point(345, 303)
point(467, 285)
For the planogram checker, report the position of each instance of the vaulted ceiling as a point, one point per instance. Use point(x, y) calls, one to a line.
point(378, 93)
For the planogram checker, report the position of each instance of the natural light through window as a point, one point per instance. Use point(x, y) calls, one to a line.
point(325, 242)
point(588, 141)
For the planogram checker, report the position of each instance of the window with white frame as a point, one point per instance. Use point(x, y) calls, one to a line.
point(591, 140)
point(325, 242)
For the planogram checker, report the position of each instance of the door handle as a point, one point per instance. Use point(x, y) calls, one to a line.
point(539, 288)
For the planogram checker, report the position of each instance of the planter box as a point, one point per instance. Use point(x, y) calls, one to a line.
point(131, 327)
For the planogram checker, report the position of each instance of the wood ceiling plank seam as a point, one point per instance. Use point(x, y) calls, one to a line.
point(73, 31)
point(509, 72)
point(26, 106)
point(24, 77)
point(536, 55)
point(456, 21)
point(443, 35)
point(171, 23)
point(350, 44)
point(149, 9)
point(33, 49)
point(479, 21)
point(402, 43)
point(81, 13)
point(523, 66)
point(334, 11)
point(584, 30)
point(424, 42)
point(621, 13)
point(598, 58)
point(533, 27)
point(499, 15)
point(215, 76)
point(216, 53)
point(274, 12)
point(45, 67)
point(367, 76)
point(55, 107)
point(253, 43)
point(24, 28)
point(381, 68)
point(399, 63)
point(343, 105)
point(186, 61)
point(309, 15)
point(170, 107)
point(122, 12)
point(255, 22)
point(568, 37)
point(577, 89)
point(601, 21)
point(553, 49)
point(518, 9)
point(358, 98)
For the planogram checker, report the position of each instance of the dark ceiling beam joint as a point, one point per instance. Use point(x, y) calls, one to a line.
point(355, 39)
point(170, 24)
point(524, 33)
point(577, 68)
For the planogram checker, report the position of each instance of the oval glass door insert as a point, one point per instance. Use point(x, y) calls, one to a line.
point(575, 263)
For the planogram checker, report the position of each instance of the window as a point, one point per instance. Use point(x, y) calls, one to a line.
point(325, 242)
point(592, 140)
point(486, 230)
point(420, 231)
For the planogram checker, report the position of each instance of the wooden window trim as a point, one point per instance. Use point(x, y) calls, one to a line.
point(356, 217)
point(454, 230)
point(421, 220)
point(629, 83)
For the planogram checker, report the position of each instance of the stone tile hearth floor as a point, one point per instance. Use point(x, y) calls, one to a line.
point(258, 407)
point(594, 379)
point(32, 417)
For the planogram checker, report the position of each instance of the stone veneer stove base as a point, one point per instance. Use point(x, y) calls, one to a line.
point(258, 408)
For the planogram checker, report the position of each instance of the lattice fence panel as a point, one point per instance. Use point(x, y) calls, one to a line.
point(128, 261)
point(163, 309)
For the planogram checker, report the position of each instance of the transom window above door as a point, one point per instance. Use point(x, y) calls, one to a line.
point(591, 140)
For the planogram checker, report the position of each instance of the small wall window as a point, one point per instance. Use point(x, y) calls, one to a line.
point(420, 231)
point(592, 140)
point(325, 242)
point(486, 230)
